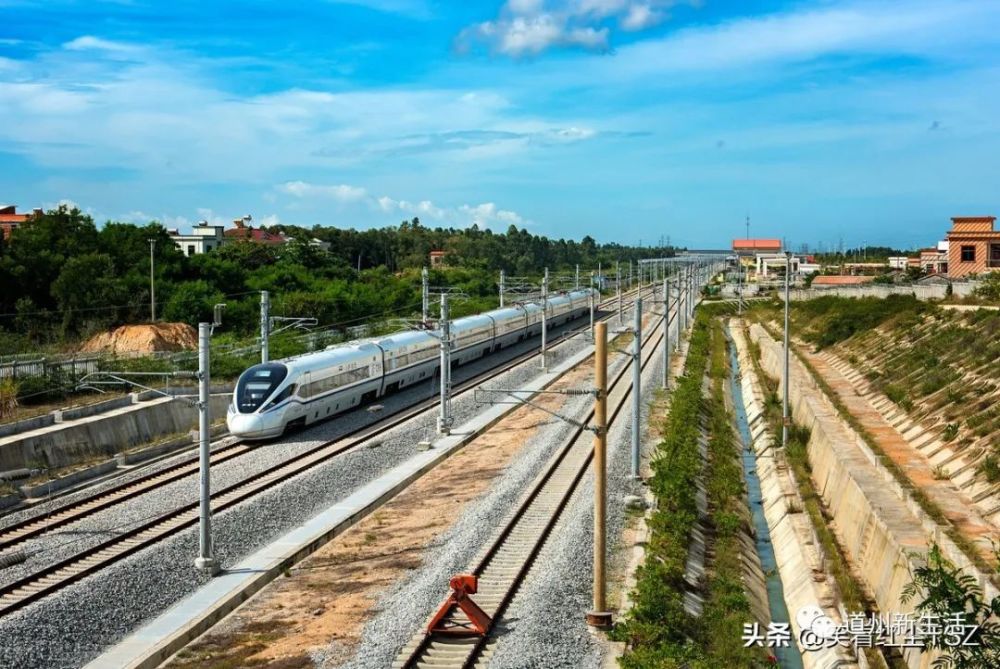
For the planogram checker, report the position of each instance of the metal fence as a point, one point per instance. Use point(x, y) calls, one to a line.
point(74, 366)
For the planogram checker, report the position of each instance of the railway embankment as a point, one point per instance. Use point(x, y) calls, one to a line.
point(883, 530)
point(74, 438)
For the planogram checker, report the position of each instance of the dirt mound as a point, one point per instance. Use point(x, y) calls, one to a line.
point(143, 339)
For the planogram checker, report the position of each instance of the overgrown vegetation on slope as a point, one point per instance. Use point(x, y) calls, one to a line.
point(941, 366)
point(825, 321)
point(658, 630)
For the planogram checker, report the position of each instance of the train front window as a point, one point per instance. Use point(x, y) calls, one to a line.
point(257, 384)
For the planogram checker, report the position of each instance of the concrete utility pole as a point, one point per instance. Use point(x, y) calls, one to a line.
point(593, 301)
point(785, 379)
point(630, 274)
point(636, 386)
point(503, 287)
point(205, 560)
point(425, 294)
point(545, 314)
point(152, 280)
point(265, 326)
point(665, 377)
point(577, 286)
point(677, 313)
point(618, 280)
point(599, 616)
point(444, 418)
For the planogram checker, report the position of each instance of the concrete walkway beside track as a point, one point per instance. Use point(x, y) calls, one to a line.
point(183, 622)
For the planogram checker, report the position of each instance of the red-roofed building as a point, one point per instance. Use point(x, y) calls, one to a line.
point(973, 246)
point(753, 246)
point(245, 232)
point(437, 258)
point(10, 219)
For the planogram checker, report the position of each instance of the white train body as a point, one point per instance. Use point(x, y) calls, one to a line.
point(314, 386)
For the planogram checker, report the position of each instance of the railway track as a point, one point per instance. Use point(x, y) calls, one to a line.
point(59, 575)
point(507, 561)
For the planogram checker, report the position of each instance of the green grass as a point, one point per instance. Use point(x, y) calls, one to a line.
point(658, 631)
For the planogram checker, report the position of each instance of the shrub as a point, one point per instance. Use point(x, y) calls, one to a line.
point(990, 468)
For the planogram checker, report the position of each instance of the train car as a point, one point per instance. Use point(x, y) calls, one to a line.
point(314, 386)
point(473, 337)
point(510, 325)
point(407, 358)
point(559, 310)
point(304, 389)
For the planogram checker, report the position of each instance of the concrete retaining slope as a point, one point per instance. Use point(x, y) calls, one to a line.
point(920, 291)
point(882, 529)
point(66, 443)
point(797, 550)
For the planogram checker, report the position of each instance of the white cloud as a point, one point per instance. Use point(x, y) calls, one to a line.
point(640, 17)
point(269, 220)
point(488, 215)
point(339, 192)
point(483, 215)
point(91, 43)
point(529, 27)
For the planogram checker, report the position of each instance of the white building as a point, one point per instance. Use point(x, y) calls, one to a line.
point(203, 238)
point(767, 262)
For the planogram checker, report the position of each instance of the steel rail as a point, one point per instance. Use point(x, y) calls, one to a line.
point(52, 578)
point(507, 561)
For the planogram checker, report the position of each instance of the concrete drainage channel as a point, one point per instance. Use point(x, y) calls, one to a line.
point(788, 657)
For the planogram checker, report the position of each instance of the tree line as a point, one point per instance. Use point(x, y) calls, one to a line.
point(66, 278)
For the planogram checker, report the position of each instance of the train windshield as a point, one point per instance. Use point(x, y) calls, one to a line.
point(257, 384)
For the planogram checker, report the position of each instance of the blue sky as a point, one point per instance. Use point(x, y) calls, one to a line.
point(627, 120)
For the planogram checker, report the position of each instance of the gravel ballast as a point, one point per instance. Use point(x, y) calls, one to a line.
point(558, 588)
point(72, 626)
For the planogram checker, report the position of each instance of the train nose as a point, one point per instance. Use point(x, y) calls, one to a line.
point(253, 425)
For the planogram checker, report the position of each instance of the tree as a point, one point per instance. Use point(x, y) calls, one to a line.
point(86, 281)
point(192, 303)
point(950, 594)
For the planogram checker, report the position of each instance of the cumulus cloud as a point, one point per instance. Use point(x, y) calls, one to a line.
point(484, 215)
point(487, 215)
point(529, 27)
point(91, 43)
point(338, 192)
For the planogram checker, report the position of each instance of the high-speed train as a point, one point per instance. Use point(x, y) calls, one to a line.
point(304, 389)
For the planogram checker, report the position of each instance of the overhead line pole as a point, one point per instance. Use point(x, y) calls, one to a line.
point(785, 379)
point(152, 280)
point(545, 313)
point(205, 560)
point(636, 386)
point(599, 616)
point(444, 418)
point(665, 377)
point(265, 326)
point(503, 287)
point(618, 281)
point(425, 295)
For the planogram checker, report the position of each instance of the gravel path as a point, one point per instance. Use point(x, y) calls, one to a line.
point(76, 624)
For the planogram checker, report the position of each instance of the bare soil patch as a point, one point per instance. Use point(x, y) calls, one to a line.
point(148, 338)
